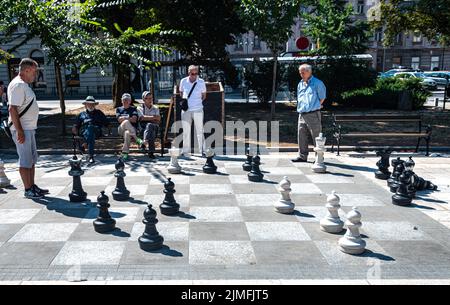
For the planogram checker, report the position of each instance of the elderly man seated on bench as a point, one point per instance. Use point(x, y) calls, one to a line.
point(89, 125)
point(128, 117)
point(149, 118)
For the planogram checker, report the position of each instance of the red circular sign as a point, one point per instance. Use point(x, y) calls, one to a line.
point(302, 43)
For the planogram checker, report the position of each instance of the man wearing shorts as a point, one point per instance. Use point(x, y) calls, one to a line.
point(23, 128)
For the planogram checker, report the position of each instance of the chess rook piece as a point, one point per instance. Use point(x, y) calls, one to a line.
point(104, 222)
point(77, 194)
point(402, 196)
point(383, 172)
point(169, 206)
point(332, 223)
point(255, 174)
point(319, 166)
point(174, 167)
point(210, 167)
point(150, 240)
point(247, 166)
point(393, 176)
point(351, 242)
point(4, 181)
point(398, 171)
point(284, 205)
point(120, 193)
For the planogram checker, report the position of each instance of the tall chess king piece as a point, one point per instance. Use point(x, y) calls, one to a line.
point(319, 166)
point(255, 174)
point(4, 181)
point(150, 240)
point(383, 172)
point(332, 223)
point(77, 194)
point(247, 166)
point(120, 193)
point(351, 242)
point(104, 222)
point(174, 167)
point(169, 206)
point(210, 167)
point(284, 205)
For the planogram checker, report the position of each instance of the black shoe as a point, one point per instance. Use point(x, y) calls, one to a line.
point(151, 155)
point(91, 160)
point(32, 194)
point(298, 159)
point(143, 148)
point(37, 189)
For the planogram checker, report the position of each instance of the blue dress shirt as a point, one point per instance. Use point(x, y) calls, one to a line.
point(309, 95)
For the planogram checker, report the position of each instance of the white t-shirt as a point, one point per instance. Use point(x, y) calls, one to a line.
point(20, 94)
point(195, 101)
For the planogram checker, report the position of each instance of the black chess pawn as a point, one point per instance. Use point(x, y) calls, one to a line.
point(120, 193)
point(150, 240)
point(77, 194)
point(247, 166)
point(104, 222)
point(398, 171)
point(394, 164)
point(255, 174)
point(383, 165)
point(402, 197)
point(209, 167)
point(169, 206)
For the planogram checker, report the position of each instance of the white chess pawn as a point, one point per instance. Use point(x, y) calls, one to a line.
point(284, 205)
point(319, 166)
point(351, 242)
point(4, 181)
point(174, 167)
point(332, 223)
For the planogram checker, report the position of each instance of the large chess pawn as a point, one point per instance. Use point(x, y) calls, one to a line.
point(120, 193)
point(383, 165)
point(319, 166)
point(174, 167)
point(402, 197)
point(284, 205)
point(255, 174)
point(210, 167)
point(169, 206)
point(393, 176)
point(77, 194)
point(150, 240)
point(247, 166)
point(4, 181)
point(332, 223)
point(351, 242)
point(398, 171)
point(104, 222)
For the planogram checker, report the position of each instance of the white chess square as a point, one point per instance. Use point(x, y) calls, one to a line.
point(12, 216)
point(45, 232)
point(207, 189)
point(221, 253)
point(269, 231)
point(90, 253)
point(216, 214)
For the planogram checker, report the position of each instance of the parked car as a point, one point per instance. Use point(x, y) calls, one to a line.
point(427, 82)
point(392, 72)
point(4, 113)
point(442, 78)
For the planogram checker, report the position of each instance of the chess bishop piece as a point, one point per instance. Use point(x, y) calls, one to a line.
point(351, 242)
point(402, 196)
point(169, 206)
point(393, 176)
point(150, 240)
point(120, 193)
point(210, 167)
point(319, 165)
point(174, 167)
point(398, 172)
point(383, 172)
point(104, 222)
point(4, 181)
point(284, 205)
point(77, 194)
point(247, 166)
point(255, 174)
point(332, 223)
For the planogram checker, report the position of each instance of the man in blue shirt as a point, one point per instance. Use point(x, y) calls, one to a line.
point(311, 94)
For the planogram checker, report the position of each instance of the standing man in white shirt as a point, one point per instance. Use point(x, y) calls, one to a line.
point(23, 129)
point(195, 109)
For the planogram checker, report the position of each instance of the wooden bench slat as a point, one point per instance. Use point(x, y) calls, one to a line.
point(424, 134)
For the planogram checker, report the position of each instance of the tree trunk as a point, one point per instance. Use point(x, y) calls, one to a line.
point(274, 86)
point(121, 82)
point(62, 104)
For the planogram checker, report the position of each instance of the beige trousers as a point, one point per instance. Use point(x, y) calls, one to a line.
point(127, 131)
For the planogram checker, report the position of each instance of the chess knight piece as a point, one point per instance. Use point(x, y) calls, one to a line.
point(174, 167)
point(319, 166)
point(169, 206)
point(247, 166)
point(104, 222)
point(150, 240)
point(383, 172)
point(332, 223)
point(284, 205)
point(4, 181)
point(77, 194)
point(210, 167)
point(120, 193)
point(351, 242)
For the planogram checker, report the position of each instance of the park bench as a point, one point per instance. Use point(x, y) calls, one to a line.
point(340, 133)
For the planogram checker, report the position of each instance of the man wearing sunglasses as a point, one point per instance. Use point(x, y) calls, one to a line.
point(195, 109)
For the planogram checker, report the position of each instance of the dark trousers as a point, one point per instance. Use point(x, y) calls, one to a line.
point(90, 133)
point(150, 133)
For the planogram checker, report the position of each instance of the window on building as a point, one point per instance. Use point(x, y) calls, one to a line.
point(396, 62)
point(256, 43)
point(360, 7)
point(417, 37)
point(38, 56)
point(239, 46)
point(379, 36)
point(435, 60)
point(415, 63)
point(399, 39)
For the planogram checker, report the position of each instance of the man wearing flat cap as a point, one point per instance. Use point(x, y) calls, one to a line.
point(89, 125)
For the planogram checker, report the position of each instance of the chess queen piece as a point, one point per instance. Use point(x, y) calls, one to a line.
point(255, 174)
point(210, 167)
point(169, 206)
point(4, 181)
point(284, 205)
point(174, 167)
point(150, 240)
point(319, 165)
point(247, 166)
point(332, 223)
point(120, 193)
point(383, 172)
point(77, 194)
point(351, 242)
point(104, 222)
